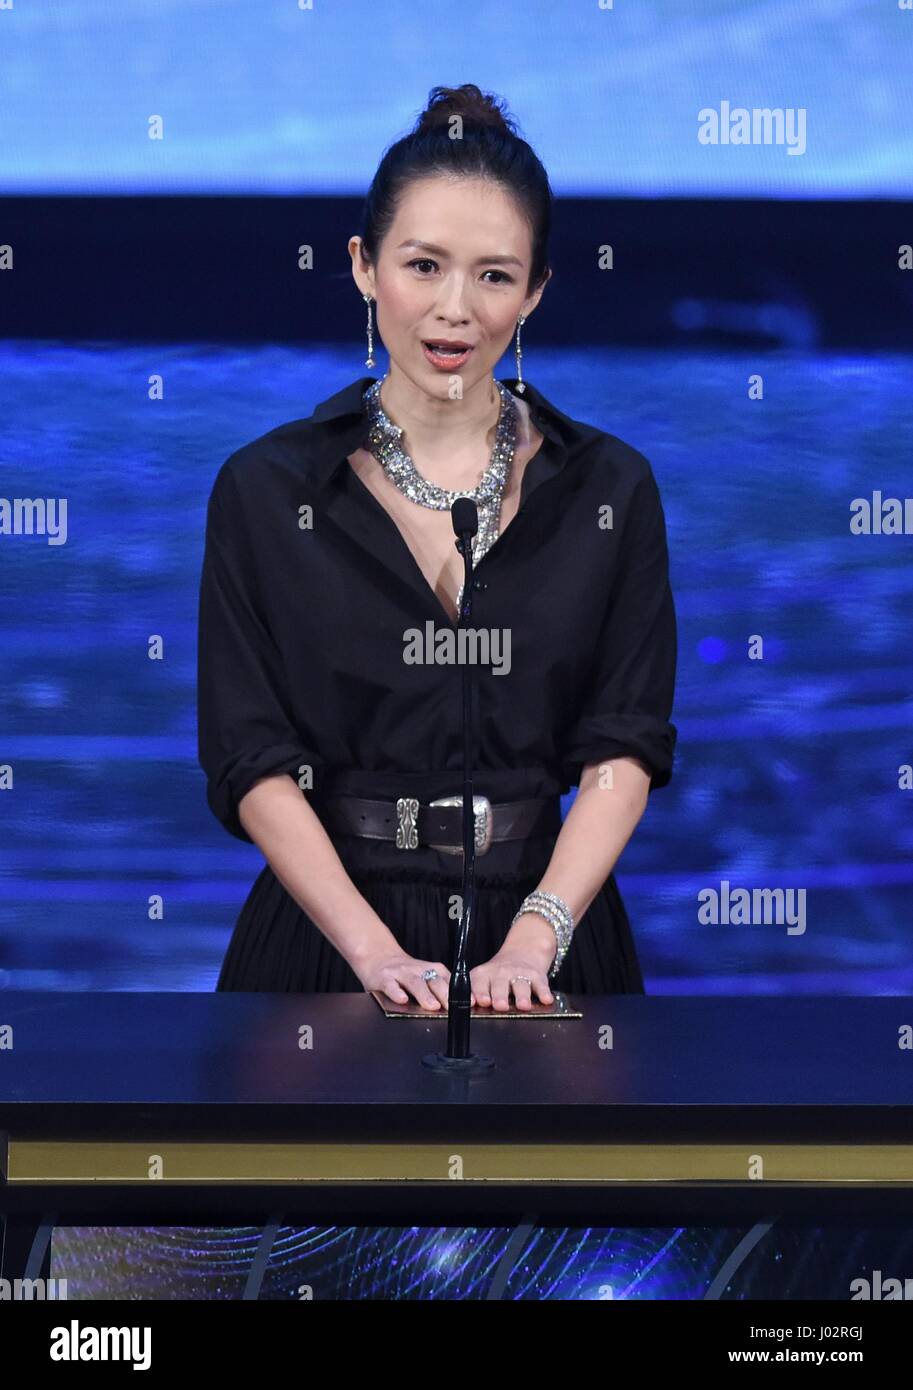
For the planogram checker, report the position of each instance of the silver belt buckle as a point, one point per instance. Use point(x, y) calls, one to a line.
point(406, 818)
point(481, 808)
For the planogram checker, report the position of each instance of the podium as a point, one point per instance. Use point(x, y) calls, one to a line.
point(226, 1109)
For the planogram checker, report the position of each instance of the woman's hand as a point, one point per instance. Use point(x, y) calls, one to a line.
point(399, 976)
point(520, 967)
point(510, 973)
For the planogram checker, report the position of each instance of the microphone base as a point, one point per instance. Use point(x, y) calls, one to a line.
point(473, 1065)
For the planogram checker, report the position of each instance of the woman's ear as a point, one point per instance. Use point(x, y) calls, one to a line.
point(362, 270)
point(536, 295)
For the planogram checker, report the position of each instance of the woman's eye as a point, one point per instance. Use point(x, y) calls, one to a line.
point(425, 261)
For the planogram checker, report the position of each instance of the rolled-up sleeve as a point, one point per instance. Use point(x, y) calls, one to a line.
point(244, 727)
point(628, 697)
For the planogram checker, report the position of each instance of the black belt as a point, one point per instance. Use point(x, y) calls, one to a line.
point(439, 824)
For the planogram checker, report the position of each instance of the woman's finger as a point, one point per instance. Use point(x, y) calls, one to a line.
point(441, 986)
point(391, 989)
point(481, 983)
point(542, 988)
point(424, 994)
point(500, 990)
point(522, 988)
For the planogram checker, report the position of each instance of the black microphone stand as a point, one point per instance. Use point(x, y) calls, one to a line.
point(458, 1060)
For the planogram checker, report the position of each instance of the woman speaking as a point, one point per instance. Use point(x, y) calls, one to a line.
point(330, 723)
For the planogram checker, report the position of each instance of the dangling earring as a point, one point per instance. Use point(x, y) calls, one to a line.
point(521, 385)
point(369, 360)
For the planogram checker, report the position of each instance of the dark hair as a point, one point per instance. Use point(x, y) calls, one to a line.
point(488, 147)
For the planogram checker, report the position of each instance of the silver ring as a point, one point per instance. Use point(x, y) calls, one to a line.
point(429, 975)
point(520, 977)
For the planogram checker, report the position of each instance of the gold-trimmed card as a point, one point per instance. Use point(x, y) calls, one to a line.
point(559, 1009)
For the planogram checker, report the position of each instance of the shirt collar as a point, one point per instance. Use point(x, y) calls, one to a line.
point(342, 426)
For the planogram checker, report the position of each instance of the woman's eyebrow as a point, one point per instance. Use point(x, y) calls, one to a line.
point(440, 251)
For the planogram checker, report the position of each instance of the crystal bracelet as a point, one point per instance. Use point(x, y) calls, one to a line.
point(559, 917)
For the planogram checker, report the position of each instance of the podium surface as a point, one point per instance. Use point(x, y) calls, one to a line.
point(139, 1108)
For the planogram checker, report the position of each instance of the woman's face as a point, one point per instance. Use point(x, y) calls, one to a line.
point(453, 267)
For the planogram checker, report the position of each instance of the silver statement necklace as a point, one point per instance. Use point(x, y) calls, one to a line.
point(385, 443)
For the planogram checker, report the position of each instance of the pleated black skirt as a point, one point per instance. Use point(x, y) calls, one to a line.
point(276, 948)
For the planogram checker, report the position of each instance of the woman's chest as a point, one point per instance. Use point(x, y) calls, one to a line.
point(355, 596)
point(427, 533)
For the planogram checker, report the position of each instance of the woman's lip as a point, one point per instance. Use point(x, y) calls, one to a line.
point(442, 361)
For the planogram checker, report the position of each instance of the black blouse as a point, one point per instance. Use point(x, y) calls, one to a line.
point(308, 589)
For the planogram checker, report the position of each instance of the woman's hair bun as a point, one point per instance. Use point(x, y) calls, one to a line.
point(476, 108)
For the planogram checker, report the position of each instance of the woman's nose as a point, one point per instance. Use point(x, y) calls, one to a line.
point(453, 303)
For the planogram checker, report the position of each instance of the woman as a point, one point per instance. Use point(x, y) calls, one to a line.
point(329, 716)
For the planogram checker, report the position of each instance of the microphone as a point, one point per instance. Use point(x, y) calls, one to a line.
point(458, 1060)
point(465, 517)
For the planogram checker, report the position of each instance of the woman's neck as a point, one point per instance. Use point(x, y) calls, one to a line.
point(443, 435)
